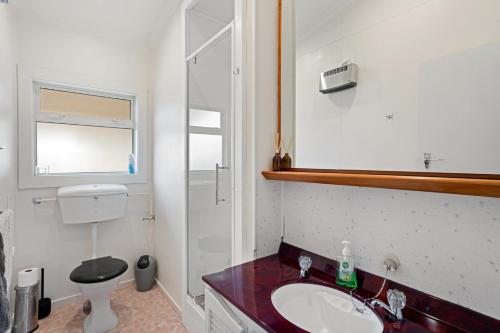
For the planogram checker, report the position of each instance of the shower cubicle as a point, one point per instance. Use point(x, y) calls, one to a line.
point(210, 142)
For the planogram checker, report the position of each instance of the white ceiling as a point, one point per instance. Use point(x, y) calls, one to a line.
point(131, 20)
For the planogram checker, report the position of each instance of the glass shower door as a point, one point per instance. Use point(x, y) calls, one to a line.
point(210, 195)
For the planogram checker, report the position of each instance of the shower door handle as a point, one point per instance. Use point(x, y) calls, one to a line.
point(217, 168)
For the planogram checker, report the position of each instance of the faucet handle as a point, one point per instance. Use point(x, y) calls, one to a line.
point(397, 302)
point(305, 263)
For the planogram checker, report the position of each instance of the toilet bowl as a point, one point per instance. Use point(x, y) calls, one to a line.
point(96, 279)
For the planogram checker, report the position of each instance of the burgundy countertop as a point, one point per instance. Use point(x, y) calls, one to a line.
point(249, 287)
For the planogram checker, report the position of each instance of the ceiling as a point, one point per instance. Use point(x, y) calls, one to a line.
point(120, 19)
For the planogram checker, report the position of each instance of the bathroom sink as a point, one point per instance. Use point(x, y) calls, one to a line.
point(320, 309)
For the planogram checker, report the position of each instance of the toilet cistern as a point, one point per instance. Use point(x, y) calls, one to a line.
point(92, 204)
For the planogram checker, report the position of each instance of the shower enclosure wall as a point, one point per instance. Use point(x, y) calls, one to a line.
point(211, 73)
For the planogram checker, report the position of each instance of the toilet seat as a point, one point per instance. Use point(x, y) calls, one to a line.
point(98, 270)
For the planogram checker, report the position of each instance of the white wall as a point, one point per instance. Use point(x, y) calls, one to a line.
point(7, 106)
point(268, 194)
point(48, 45)
point(169, 158)
point(41, 237)
point(416, 63)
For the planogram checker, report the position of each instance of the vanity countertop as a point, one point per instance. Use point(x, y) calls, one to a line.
point(249, 287)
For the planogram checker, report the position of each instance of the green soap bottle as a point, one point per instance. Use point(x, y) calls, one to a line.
point(346, 272)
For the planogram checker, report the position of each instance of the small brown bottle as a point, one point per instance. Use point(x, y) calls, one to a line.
point(277, 162)
point(286, 162)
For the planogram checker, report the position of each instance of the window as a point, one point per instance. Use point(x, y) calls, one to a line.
point(206, 142)
point(82, 131)
point(70, 133)
point(62, 148)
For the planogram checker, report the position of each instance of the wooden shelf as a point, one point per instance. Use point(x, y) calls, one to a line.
point(457, 185)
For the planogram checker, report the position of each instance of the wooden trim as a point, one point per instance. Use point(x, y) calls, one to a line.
point(399, 173)
point(454, 185)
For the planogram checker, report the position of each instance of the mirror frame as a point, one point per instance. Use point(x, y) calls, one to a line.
point(456, 183)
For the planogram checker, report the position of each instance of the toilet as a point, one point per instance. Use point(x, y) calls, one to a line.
point(95, 277)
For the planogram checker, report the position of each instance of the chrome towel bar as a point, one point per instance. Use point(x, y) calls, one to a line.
point(39, 200)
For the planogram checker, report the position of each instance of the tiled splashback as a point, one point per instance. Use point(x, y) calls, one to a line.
point(268, 217)
point(449, 245)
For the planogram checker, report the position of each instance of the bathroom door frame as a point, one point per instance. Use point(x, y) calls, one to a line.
point(243, 160)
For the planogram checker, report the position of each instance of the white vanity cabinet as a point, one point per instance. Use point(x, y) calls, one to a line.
point(222, 317)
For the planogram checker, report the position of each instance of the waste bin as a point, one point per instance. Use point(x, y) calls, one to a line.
point(144, 271)
point(26, 309)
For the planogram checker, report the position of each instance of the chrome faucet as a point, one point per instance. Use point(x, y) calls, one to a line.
point(397, 302)
point(305, 263)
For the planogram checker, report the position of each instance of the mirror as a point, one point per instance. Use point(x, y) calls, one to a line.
point(408, 85)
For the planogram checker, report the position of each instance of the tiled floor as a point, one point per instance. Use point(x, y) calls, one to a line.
point(144, 312)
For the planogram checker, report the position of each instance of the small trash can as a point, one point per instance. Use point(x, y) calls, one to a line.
point(144, 271)
point(26, 309)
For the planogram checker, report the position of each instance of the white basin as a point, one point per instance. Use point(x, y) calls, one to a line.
point(320, 309)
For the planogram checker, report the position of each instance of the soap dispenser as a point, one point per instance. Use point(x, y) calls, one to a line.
point(346, 272)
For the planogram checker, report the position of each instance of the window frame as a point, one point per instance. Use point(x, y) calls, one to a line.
point(59, 118)
point(31, 80)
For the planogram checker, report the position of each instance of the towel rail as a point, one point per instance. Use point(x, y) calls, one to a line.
point(38, 200)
